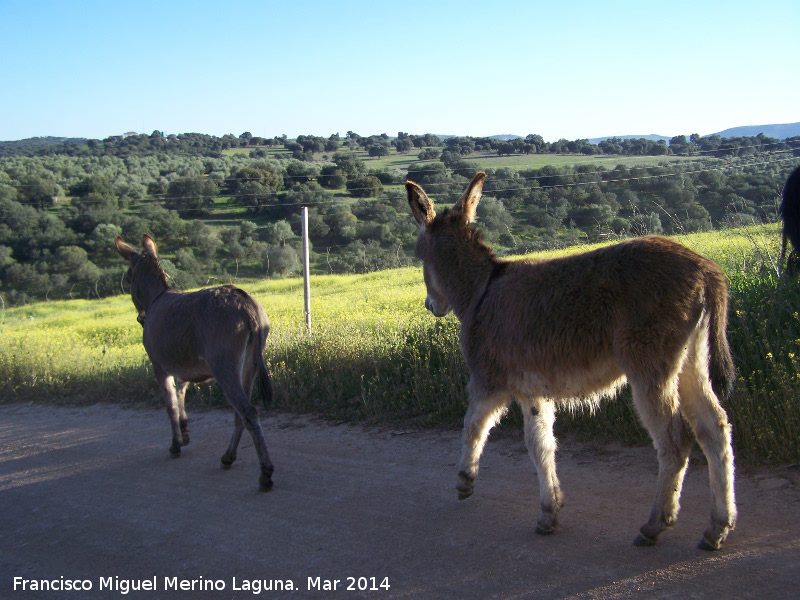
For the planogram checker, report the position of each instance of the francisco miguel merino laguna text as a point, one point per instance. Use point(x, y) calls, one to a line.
point(201, 584)
point(124, 586)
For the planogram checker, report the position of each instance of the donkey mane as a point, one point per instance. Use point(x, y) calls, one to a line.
point(449, 218)
point(155, 265)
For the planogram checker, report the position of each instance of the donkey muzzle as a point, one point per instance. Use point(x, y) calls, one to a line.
point(436, 308)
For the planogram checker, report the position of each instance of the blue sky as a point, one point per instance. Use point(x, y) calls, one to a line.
point(562, 69)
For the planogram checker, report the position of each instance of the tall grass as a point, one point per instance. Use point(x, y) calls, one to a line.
point(376, 355)
point(411, 372)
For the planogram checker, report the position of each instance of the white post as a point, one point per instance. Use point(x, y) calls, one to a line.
point(306, 274)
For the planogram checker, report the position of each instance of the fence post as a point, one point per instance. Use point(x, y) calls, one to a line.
point(306, 273)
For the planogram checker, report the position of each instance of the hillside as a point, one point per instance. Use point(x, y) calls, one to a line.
point(778, 131)
point(226, 208)
point(781, 131)
point(36, 144)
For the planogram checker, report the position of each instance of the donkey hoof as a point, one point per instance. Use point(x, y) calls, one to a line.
point(463, 495)
point(708, 546)
point(264, 483)
point(186, 440)
point(546, 526)
point(464, 489)
point(715, 536)
point(226, 461)
point(174, 450)
point(466, 485)
point(643, 541)
point(543, 531)
point(265, 479)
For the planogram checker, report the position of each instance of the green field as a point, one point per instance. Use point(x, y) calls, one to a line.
point(376, 355)
point(486, 160)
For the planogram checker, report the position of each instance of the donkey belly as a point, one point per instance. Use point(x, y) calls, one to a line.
point(180, 361)
point(195, 370)
point(591, 384)
point(199, 373)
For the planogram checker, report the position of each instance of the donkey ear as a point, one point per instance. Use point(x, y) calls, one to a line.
point(149, 245)
point(468, 203)
point(125, 250)
point(421, 205)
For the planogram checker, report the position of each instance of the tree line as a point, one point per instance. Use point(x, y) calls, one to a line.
point(234, 215)
point(308, 147)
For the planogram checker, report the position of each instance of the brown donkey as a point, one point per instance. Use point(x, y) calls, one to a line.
point(216, 333)
point(573, 330)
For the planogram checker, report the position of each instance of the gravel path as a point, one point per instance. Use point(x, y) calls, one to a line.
point(91, 495)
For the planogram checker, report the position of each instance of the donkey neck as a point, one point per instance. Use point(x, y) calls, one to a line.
point(150, 282)
point(466, 273)
point(154, 293)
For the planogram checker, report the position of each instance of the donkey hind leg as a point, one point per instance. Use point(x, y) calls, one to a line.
point(230, 454)
point(541, 444)
point(709, 421)
point(240, 401)
point(183, 421)
point(657, 407)
point(483, 412)
point(168, 384)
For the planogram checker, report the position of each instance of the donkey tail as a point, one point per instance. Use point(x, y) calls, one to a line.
point(259, 330)
point(720, 361)
point(264, 383)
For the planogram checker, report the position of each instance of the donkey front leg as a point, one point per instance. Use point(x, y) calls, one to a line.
point(539, 418)
point(167, 383)
point(183, 420)
point(483, 412)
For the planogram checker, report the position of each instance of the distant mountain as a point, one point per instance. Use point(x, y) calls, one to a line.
point(505, 137)
point(782, 131)
point(786, 130)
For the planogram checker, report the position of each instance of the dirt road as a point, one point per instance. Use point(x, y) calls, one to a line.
point(90, 497)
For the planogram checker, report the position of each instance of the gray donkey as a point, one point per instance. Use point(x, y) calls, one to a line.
point(573, 330)
point(216, 333)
